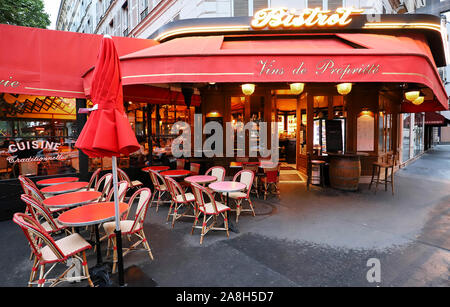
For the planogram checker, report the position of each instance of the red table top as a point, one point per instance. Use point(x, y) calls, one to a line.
point(227, 186)
point(156, 168)
point(176, 173)
point(64, 187)
point(59, 180)
point(200, 179)
point(72, 199)
point(90, 214)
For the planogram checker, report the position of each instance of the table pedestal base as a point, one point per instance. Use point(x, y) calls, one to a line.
point(101, 275)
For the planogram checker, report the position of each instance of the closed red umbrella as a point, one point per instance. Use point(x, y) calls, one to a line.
point(107, 132)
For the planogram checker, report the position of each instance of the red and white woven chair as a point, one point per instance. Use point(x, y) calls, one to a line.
point(41, 214)
point(159, 185)
point(218, 172)
point(104, 185)
point(131, 184)
point(94, 179)
point(179, 200)
point(246, 177)
point(122, 191)
point(47, 251)
point(210, 208)
point(131, 227)
point(36, 194)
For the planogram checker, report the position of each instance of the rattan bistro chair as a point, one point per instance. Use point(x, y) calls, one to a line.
point(179, 200)
point(131, 227)
point(94, 179)
point(135, 184)
point(159, 185)
point(210, 209)
point(246, 177)
point(47, 251)
point(122, 188)
point(41, 214)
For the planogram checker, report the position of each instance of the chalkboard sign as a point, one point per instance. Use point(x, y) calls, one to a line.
point(334, 135)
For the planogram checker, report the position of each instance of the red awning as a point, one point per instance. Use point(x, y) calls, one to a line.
point(51, 63)
point(435, 119)
point(333, 58)
point(156, 95)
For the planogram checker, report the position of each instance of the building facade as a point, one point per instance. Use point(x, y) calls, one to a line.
point(141, 18)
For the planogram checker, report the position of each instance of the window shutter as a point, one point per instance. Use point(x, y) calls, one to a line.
point(240, 8)
point(334, 4)
point(134, 14)
point(312, 4)
point(259, 5)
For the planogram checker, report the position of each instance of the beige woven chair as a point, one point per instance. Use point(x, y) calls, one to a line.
point(122, 191)
point(131, 184)
point(246, 177)
point(47, 251)
point(210, 209)
point(179, 200)
point(131, 227)
point(94, 179)
point(41, 214)
point(159, 185)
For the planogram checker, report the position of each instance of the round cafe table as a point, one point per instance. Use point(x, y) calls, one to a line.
point(176, 173)
point(72, 199)
point(65, 187)
point(92, 214)
point(228, 187)
point(59, 180)
point(156, 168)
point(200, 179)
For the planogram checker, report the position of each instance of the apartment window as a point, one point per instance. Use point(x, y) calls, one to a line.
point(248, 7)
point(125, 19)
point(143, 9)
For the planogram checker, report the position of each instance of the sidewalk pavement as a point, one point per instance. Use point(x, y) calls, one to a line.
point(323, 237)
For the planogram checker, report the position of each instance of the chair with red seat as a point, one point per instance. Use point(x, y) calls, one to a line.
point(210, 209)
point(131, 227)
point(47, 251)
point(179, 200)
point(270, 179)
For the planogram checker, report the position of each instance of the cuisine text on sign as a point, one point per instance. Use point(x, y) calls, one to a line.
point(292, 19)
point(323, 67)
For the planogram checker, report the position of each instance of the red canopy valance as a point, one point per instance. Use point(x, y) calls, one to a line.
point(335, 58)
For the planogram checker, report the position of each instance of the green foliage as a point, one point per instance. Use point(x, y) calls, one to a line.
point(28, 13)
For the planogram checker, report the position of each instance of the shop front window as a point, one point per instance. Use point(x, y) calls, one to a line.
point(418, 133)
point(406, 137)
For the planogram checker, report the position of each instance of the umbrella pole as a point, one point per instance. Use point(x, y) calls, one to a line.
point(117, 231)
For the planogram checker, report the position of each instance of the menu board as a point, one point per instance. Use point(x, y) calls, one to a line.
point(365, 133)
point(334, 135)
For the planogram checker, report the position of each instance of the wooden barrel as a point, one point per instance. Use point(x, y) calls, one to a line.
point(345, 171)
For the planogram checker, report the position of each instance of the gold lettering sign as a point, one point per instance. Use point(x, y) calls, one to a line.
point(291, 18)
